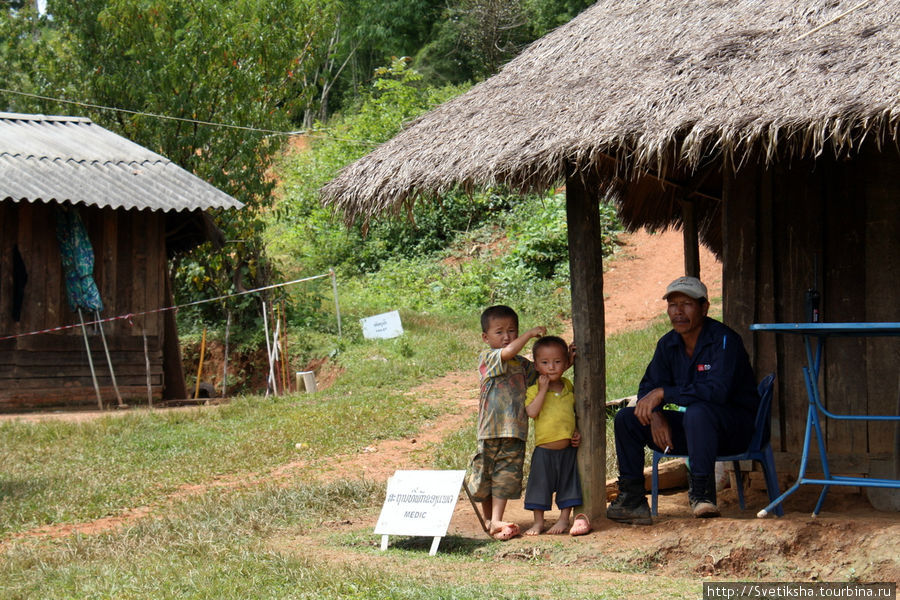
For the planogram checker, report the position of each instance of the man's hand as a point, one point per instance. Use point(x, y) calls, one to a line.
point(660, 430)
point(647, 404)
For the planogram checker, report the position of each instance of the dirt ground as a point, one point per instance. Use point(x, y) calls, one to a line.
point(849, 540)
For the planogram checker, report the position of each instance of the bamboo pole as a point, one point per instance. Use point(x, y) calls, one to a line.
point(276, 341)
point(225, 358)
point(273, 359)
point(87, 347)
point(147, 365)
point(112, 373)
point(337, 306)
point(200, 366)
point(284, 354)
point(268, 345)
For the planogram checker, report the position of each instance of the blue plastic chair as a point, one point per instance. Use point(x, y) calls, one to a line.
point(760, 449)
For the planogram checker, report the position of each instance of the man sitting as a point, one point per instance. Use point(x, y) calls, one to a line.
point(702, 366)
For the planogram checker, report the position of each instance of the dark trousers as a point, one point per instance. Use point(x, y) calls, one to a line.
point(702, 432)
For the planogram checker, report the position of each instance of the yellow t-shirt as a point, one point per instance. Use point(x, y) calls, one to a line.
point(556, 420)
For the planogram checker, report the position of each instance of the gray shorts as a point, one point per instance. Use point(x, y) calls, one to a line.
point(553, 471)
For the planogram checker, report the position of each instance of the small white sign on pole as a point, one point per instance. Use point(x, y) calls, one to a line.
point(383, 326)
point(419, 503)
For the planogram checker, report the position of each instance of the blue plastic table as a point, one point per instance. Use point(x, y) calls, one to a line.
point(821, 332)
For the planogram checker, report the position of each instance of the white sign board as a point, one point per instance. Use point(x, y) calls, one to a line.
point(419, 503)
point(383, 326)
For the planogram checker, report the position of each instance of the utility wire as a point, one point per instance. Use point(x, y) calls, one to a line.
point(146, 114)
point(167, 117)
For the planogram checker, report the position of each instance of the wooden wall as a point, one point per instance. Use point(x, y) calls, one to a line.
point(52, 368)
point(842, 216)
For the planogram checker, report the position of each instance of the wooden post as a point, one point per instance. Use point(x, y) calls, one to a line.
point(174, 387)
point(586, 265)
point(691, 239)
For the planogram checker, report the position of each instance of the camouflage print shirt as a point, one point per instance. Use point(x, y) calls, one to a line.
point(501, 406)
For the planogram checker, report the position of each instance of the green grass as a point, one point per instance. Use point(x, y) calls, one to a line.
point(238, 545)
point(627, 356)
point(241, 543)
point(58, 472)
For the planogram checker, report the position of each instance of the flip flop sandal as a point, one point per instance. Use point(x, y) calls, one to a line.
point(584, 529)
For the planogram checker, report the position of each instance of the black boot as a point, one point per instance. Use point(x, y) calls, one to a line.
point(702, 495)
point(630, 506)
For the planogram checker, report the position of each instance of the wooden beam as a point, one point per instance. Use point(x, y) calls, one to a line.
point(586, 265)
point(691, 239)
point(686, 190)
point(689, 220)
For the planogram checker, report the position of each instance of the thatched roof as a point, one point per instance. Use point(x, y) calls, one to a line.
point(664, 86)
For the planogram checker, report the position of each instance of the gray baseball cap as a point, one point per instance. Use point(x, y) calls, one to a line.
point(689, 286)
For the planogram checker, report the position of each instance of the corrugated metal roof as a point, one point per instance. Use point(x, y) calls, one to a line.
point(71, 159)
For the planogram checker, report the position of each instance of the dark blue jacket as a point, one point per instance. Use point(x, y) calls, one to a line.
point(719, 371)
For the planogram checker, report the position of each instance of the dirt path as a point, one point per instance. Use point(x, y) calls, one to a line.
point(848, 540)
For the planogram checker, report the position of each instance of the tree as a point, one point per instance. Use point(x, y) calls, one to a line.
point(367, 35)
point(474, 38)
point(239, 62)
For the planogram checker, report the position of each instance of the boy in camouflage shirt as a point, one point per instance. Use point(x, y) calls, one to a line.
point(495, 472)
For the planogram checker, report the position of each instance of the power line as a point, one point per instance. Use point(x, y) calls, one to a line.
point(183, 119)
point(154, 115)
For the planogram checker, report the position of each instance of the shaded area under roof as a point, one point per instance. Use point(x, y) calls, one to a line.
point(71, 159)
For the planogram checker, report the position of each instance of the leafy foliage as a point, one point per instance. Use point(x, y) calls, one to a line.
point(451, 41)
point(306, 229)
point(241, 62)
point(476, 37)
point(271, 64)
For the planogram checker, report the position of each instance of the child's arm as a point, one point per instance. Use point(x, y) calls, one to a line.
point(576, 439)
point(510, 351)
point(534, 408)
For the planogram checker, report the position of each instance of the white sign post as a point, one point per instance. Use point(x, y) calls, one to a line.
point(419, 503)
point(384, 326)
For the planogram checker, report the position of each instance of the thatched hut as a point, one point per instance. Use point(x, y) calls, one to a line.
point(137, 208)
point(768, 130)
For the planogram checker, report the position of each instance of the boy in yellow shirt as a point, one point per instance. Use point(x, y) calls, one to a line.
point(551, 403)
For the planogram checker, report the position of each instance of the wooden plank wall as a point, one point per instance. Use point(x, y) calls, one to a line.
point(51, 369)
point(842, 216)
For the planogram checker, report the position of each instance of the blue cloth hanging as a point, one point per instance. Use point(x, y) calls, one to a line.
point(77, 260)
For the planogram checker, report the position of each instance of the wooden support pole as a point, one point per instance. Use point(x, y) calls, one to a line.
point(87, 347)
point(586, 265)
point(691, 239)
point(112, 373)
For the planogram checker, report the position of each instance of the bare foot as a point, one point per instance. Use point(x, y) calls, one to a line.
point(561, 526)
point(581, 526)
point(536, 529)
point(503, 531)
